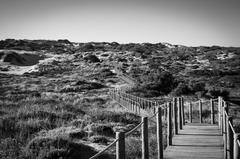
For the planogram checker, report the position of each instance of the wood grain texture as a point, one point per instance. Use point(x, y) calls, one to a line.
point(196, 141)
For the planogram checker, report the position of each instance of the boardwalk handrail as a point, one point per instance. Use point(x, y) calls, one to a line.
point(174, 109)
point(134, 103)
point(144, 129)
point(174, 114)
point(230, 137)
point(122, 92)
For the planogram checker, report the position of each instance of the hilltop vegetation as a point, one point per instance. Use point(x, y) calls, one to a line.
point(53, 94)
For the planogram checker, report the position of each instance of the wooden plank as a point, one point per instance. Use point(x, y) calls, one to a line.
point(196, 141)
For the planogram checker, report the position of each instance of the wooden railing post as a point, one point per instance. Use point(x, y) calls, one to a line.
point(159, 133)
point(224, 133)
point(131, 105)
point(183, 113)
point(236, 150)
point(136, 109)
point(230, 138)
point(190, 112)
point(179, 113)
point(155, 106)
point(142, 103)
point(120, 145)
point(219, 113)
point(226, 106)
point(139, 108)
point(223, 120)
point(169, 122)
point(145, 151)
point(175, 116)
point(200, 111)
point(212, 112)
point(166, 111)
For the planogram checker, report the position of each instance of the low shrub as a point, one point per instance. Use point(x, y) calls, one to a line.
point(79, 134)
point(49, 148)
point(196, 86)
point(82, 87)
point(133, 148)
point(10, 148)
point(26, 128)
point(237, 126)
point(118, 117)
point(8, 126)
point(92, 58)
point(99, 139)
point(80, 123)
point(100, 129)
point(182, 89)
point(154, 83)
point(214, 93)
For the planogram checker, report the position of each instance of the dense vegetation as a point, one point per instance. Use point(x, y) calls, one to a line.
point(62, 109)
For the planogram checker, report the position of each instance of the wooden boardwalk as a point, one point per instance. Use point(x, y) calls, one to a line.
point(196, 141)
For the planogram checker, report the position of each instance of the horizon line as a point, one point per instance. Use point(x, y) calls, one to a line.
point(211, 45)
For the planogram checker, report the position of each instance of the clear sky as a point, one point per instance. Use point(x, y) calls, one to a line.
point(185, 22)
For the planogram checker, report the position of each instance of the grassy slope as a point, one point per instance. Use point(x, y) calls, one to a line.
point(70, 106)
point(64, 108)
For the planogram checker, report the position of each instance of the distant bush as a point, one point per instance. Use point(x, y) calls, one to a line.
point(106, 73)
point(182, 89)
point(100, 129)
point(79, 87)
point(142, 91)
point(78, 135)
point(99, 139)
point(196, 86)
point(65, 41)
point(214, 93)
point(92, 58)
point(202, 72)
point(200, 94)
point(155, 83)
point(87, 47)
